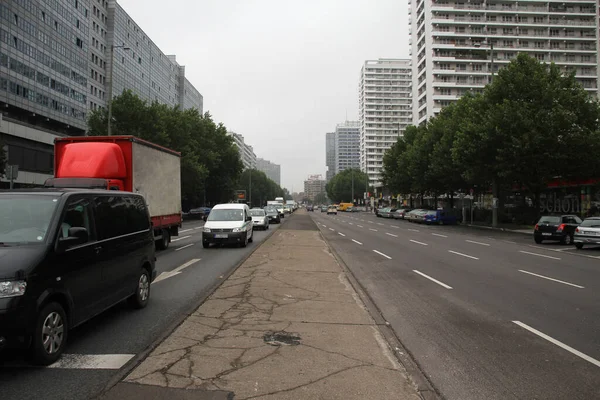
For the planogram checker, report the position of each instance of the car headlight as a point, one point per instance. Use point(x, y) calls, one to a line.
point(239, 229)
point(207, 230)
point(12, 289)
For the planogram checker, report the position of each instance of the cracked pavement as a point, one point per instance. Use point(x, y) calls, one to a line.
point(291, 284)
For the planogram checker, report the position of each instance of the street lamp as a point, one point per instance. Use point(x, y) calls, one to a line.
point(110, 85)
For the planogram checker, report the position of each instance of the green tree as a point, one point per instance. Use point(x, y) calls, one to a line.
point(321, 198)
point(263, 188)
point(339, 188)
point(210, 162)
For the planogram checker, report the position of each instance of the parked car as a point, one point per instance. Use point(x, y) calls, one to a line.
point(68, 255)
point(228, 224)
point(400, 213)
point(332, 210)
point(385, 212)
point(556, 227)
point(273, 215)
point(259, 218)
point(588, 232)
point(416, 215)
point(442, 217)
point(310, 208)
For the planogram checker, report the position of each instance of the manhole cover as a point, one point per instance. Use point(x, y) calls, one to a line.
point(281, 339)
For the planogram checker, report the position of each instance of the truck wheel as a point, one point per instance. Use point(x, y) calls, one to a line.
point(163, 243)
point(142, 291)
point(206, 245)
point(50, 335)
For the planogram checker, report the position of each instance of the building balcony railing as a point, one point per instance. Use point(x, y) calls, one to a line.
point(515, 8)
point(461, 20)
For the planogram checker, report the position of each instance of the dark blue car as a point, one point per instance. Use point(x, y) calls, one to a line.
point(441, 217)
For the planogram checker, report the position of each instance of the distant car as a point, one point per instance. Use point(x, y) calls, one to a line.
point(259, 218)
point(310, 208)
point(273, 215)
point(332, 210)
point(199, 213)
point(400, 213)
point(588, 232)
point(386, 212)
point(324, 208)
point(440, 217)
point(229, 223)
point(556, 227)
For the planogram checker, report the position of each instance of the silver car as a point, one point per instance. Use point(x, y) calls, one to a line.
point(588, 232)
point(260, 219)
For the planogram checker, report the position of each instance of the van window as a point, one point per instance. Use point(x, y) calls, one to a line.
point(120, 215)
point(25, 218)
point(223, 214)
point(78, 214)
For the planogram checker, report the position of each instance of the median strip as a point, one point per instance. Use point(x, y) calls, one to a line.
point(381, 254)
point(432, 279)
point(559, 343)
point(551, 279)
point(461, 254)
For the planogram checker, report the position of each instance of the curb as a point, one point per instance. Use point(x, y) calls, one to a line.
point(495, 229)
point(424, 386)
point(141, 356)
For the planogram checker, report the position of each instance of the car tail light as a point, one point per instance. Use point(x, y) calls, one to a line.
point(560, 228)
point(537, 227)
point(577, 230)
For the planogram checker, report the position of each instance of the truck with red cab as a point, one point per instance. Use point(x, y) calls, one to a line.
point(124, 163)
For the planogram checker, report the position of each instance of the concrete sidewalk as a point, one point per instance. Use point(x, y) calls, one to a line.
point(286, 325)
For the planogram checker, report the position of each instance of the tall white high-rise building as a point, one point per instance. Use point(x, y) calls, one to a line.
point(451, 44)
point(272, 170)
point(330, 155)
point(385, 109)
point(347, 146)
point(246, 151)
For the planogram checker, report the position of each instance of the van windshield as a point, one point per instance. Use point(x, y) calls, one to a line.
point(233, 214)
point(25, 218)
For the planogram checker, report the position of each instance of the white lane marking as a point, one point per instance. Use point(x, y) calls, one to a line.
point(184, 247)
point(370, 222)
point(508, 241)
point(92, 361)
point(360, 226)
point(374, 230)
point(480, 243)
point(421, 243)
point(395, 226)
point(559, 344)
point(379, 223)
point(552, 279)
point(432, 279)
point(439, 234)
point(331, 229)
point(356, 241)
point(351, 223)
point(413, 230)
point(324, 226)
point(362, 220)
point(539, 255)
point(187, 230)
point(176, 271)
point(198, 227)
point(181, 238)
point(464, 255)
point(391, 234)
point(381, 254)
point(341, 234)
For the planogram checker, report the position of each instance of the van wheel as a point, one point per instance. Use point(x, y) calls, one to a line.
point(163, 243)
point(50, 335)
point(142, 291)
point(251, 237)
point(245, 242)
point(206, 245)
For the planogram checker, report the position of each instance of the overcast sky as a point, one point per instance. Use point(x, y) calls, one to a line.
point(280, 72)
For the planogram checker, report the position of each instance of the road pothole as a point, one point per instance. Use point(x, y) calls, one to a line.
point(281, 339)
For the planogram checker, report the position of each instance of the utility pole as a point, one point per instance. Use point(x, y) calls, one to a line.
point(352, 185)
point(250, 188)
point(494, 183)
point(110, 83)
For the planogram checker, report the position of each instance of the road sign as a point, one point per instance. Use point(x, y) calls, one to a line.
point(240, 195)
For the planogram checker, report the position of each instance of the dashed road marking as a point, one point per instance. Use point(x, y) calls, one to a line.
point(539, 255)
point(184, 247)
point(461, 254)
point(479, 243)
point(421, 243)
point(414, 230)
point(181, 238)
point(432, 279)
point(391, 234)
point(374, 230)
point(551, 279)
point(439, 234)
point(357, 242)
point(381, 254)
point(341, 234)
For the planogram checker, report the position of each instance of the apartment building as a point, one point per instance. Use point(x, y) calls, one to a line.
point(246, 151)
point(55, 61)
point(272, 170)
point(451, 44)
point(347, 146)
point(314, 185)
point(330, 155)
point(385, 108)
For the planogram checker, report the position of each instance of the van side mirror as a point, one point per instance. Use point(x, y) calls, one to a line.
point(248, 219)
point(77, 235)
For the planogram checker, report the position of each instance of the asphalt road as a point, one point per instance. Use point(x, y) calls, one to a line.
point(485, 314)
point(99, 348)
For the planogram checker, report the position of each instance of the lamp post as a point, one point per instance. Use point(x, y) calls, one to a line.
point(110, 84)
point(352, 185)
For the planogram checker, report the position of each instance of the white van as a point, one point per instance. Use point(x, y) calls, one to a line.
point(228, 224)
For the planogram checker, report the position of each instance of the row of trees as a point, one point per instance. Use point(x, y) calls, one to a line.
point(339, 188)
point(259, 188)
point(210, 162)
point(530, 125)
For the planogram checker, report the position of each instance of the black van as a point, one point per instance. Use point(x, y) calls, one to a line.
point(67, 255)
